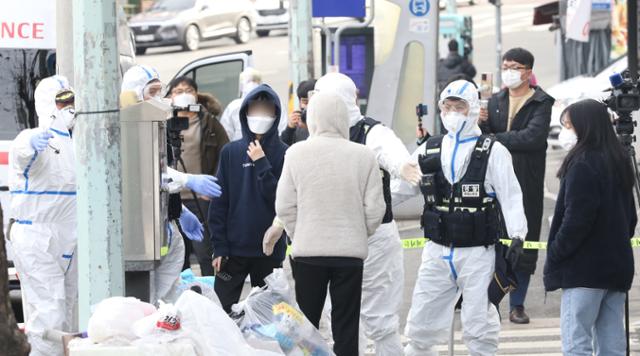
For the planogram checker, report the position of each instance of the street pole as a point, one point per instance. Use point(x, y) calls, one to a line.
point(498, 43)
point(300, 42)
point(452, 6)
point(64, 39)
point(97, 143)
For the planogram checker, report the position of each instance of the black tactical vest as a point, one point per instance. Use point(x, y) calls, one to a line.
point(462, 214)
point(358, 134)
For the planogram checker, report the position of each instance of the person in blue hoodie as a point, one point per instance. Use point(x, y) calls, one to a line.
point(248, 174)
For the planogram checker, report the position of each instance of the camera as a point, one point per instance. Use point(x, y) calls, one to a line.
point(180, 123)
point(624, 99)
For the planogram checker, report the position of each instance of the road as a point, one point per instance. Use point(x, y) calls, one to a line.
point(541, 337)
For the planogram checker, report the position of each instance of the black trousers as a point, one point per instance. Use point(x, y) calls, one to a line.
point(203, 249)
point(345, 288)
point(239, 268)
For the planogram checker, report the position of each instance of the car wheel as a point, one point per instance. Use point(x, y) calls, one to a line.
point(191, 38)
point(243, 31)
point(140, 51)
point(262, 33)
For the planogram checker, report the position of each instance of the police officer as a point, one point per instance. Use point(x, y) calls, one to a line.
point(470, 193)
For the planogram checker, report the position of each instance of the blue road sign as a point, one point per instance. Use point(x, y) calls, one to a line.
point(339, 8)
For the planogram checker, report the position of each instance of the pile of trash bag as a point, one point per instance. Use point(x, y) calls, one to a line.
point(271, 315)
point(193, 320)
point(267, 323)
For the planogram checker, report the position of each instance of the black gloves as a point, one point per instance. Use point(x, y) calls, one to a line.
point(514, 252)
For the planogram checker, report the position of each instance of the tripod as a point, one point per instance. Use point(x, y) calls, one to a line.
point(627, 138)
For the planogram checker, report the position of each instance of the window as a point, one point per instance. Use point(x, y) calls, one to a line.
point(219, 79)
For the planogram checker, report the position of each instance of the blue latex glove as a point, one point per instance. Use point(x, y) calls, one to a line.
point(191, 226)
point(40, 141)
point(204, 185)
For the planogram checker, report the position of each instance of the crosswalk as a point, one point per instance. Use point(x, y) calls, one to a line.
point(540, 338)
point(515, 18)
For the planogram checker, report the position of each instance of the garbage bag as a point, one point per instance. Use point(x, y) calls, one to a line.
point(200, 285)
point(114, 317)
point(211, 329)
point(295, 334)
point(257, 308)
point(161, 327)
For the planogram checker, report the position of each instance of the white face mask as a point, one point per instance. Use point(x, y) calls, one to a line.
point(453, 121)
point(68, 117)
point(567, 138)
point(511, 78)
point(184, 100)
point(259, 125)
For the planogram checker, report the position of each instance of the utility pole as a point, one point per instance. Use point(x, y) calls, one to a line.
point(300, 42)
point(97, 142)
point(64, 39)
point(452, 6)
point(498, 4)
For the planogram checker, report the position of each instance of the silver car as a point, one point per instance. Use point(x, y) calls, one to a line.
point(188, 22)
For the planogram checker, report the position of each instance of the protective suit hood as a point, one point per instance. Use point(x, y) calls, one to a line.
point(327, 116)
point(345, 88)
point(45, 98)
point(137, 77)
point(468, 126)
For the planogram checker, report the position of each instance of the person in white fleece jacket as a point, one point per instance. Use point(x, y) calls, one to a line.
point(330, 205)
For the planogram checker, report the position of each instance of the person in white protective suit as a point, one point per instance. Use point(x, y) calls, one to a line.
point(42, 229)
point(383, 275)
point(460, 258)
point(249, 79)
point(145, 83)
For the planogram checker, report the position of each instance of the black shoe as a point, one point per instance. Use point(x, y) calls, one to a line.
point(518, 316)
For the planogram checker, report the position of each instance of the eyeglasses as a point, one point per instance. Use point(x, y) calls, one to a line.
point(178, 91)
point(460, 107)
point(514, 68)
point(153, 89)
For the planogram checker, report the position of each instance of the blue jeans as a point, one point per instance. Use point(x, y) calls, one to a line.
point(592, 319)
point(516, 297)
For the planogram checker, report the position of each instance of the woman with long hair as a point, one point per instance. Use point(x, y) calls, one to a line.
point(589, 254)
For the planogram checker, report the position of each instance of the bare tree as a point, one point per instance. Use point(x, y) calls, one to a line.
point(12, 341)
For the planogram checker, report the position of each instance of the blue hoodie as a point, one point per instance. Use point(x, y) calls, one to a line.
point(239, 218)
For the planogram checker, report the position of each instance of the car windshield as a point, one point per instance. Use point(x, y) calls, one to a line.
point(172, 5)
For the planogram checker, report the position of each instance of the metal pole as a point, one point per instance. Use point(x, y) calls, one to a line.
point(97, 142)
point(452, 6)
point(336, 40)
point(64, 39)
point(498, 43)
point(300, 42)
point(632, 40)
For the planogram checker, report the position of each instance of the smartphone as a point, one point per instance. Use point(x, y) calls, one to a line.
point(222, 274)
point(486, 85)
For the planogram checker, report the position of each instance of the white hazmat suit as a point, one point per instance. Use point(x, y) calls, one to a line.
point(446, 272)
point(167, 273)
point(383, 276)
point(43, 234)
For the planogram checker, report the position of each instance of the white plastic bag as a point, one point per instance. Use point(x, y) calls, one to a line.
point(257, 308)
point(114, 317)
point(211, 329)
point(295, 334)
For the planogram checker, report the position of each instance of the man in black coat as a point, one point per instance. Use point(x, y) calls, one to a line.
point(519, 116)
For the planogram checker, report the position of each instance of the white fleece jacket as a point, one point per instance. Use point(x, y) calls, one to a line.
point(329, 196)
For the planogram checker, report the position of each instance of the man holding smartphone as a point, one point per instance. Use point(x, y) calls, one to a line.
point(519, 116)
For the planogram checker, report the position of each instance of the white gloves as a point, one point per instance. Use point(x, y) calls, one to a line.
point(272, 236)
point(411, 173)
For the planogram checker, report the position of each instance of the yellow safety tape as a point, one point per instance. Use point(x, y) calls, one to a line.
point(419, 242)
point(416, 243)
